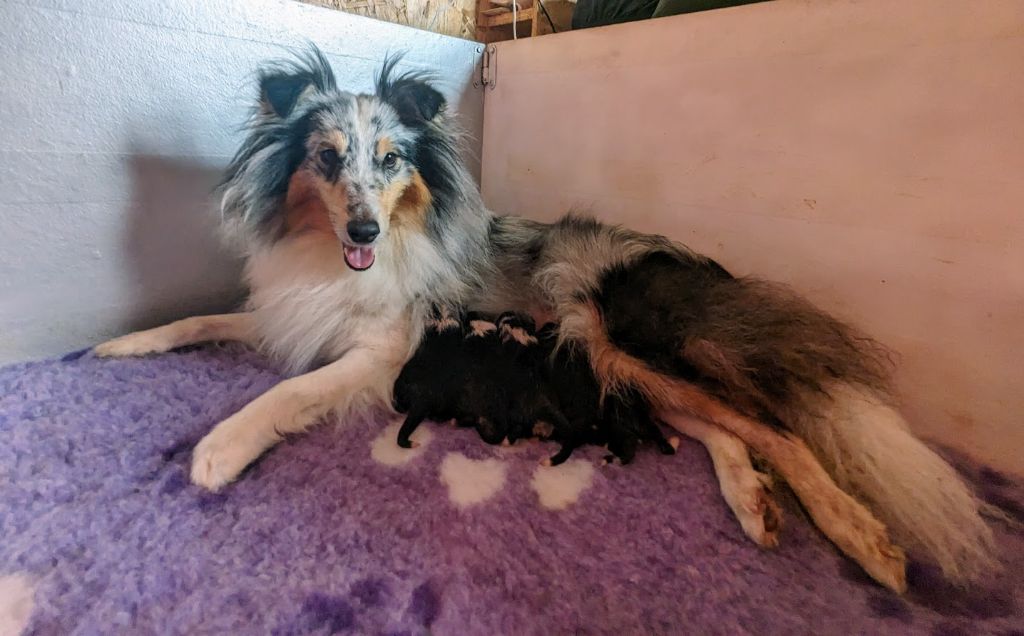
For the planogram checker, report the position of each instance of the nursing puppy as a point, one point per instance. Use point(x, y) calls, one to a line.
point(620, 422)
point(509, 384)
point(356, 215)
point(432, 381)
point(507, 394)
point(487, 378)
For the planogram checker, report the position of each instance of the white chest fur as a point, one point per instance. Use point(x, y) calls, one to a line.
point(310, 307)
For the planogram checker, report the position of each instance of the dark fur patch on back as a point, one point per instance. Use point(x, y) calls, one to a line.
point(532, 251)
point(755, 345)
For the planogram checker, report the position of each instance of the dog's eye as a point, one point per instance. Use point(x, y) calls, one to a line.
point(390, 160)
point(329, 157)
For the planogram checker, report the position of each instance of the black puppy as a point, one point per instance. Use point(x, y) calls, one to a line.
point(431, 382)
point(627, 422)
point(507, 381)
point(576, 392)
point(620, 423)
point(507, 392)
point(469, 369)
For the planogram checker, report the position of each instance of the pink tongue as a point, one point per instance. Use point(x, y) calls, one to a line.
point(359, 257)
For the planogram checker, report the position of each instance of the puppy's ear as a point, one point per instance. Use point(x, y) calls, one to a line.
point(285, 84)
point(412, 97)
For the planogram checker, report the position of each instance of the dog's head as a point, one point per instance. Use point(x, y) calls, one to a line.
point(321, 158)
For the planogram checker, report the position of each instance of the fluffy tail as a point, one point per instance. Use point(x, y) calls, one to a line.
point(765, 351)
point(868, 449)
point(773, 354)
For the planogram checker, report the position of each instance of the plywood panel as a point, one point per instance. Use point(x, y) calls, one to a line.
point(116, 118)
point(448, 17)
point(869, 153)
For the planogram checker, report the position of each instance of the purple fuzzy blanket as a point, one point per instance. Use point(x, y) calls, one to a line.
point(339, 531)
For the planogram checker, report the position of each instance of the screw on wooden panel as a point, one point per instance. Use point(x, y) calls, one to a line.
point(479, 78)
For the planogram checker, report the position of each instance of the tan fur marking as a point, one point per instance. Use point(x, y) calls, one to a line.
point(384, 146)
point(334, 198)
point(481, 327)
point(517, 334)
point(337, 140)
point(845, 521)
point(407, 203)
point(304, 209)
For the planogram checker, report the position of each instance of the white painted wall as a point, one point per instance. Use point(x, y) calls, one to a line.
point(868, 152)
point(116, 117)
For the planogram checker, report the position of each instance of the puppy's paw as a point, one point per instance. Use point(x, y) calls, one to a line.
point(139, 343)
point(222, 455)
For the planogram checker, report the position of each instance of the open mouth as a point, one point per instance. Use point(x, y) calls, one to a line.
point(358, 258)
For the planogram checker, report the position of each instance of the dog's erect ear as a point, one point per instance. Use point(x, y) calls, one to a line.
point(281, 92)
point(412, 97)
point(415, 101)
point(282, 85)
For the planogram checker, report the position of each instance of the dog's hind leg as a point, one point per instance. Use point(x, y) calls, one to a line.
point(365, 373)
point(237, 327)
point(843, 519)
point(744, 489)
point(413, 420)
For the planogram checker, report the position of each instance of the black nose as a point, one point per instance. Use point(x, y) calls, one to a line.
point(363, 231)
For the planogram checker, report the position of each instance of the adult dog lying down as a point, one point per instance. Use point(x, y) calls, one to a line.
point(356, 215)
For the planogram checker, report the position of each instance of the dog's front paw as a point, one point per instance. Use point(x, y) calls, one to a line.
point(139, 343)
point(222, 455)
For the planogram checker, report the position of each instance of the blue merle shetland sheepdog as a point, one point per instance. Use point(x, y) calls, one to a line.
point(356, 216)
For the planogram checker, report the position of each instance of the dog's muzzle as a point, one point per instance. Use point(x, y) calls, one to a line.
point(362, 233)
